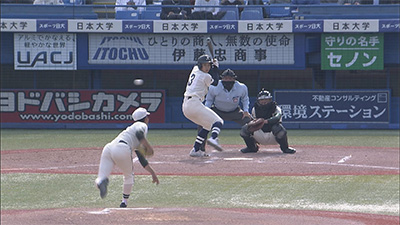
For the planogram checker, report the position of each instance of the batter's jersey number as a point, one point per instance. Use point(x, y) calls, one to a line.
point(191, 79)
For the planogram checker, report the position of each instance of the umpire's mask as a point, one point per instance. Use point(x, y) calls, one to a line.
point(228, 78)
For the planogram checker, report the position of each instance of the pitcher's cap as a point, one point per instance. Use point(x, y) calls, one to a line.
point(139, 114)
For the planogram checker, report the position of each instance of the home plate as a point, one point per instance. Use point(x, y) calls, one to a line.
point(238, 159)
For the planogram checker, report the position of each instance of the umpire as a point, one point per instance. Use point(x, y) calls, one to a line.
point(224, 99)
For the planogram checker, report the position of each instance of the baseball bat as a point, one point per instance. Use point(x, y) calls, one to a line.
point(210, 47)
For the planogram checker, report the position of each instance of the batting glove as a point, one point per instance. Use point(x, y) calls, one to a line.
point(215, 62)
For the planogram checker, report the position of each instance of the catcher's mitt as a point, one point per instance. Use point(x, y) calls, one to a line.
point(255, 125)
point(144, 151)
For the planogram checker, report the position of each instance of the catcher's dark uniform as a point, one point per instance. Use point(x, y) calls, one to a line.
point(272, 132)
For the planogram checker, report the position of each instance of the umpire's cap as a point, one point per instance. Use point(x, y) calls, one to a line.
point(228, 72)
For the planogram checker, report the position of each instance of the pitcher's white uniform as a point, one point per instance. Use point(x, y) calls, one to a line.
point(193, 107)
point(119, 152)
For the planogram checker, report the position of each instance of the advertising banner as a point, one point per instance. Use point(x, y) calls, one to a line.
point(266, 26)
point(351, 26)
point(79, 106)
point(88, 26)
point(18, 25)
point(44, 51)
point(347, 106)
point(179, 49)
point(352, 51)
point(200, 26)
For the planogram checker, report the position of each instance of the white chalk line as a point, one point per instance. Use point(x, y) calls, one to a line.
point(108, 210)
point(214, 159)
point(344, 159)
point(53, 167)
point(353, 165)
point(238, 159)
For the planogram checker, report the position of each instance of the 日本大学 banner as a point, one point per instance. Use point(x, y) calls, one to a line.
point(181, 49)
point(341, 106)
point(352, 51)
point(79, 106)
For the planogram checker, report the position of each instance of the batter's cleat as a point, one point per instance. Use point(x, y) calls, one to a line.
point(289, 150)
point(214, 143)
point(123, 205)
point(103, 188)
point(248, 150)
point(199, 153)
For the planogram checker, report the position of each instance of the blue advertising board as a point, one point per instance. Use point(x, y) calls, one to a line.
point(336, 106)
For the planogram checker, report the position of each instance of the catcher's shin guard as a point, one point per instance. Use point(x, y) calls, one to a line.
point(283, 142)
point(280, 134)
point(251, 144)
point(284, 145)
point(248, 139)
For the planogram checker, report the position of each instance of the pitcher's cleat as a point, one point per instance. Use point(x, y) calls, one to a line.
point(103, 188)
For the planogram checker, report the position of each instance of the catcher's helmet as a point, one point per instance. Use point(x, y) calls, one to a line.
point(203, 59)
point(264, 94)
point(229, 72)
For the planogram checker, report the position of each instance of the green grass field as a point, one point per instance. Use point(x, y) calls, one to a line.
point(37, 139)
point(367, 194)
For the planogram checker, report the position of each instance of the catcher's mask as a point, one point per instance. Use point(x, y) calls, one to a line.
point(264, 94)
point(203, 59)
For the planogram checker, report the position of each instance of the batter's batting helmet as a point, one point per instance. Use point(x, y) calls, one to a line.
point(228, 72)
point(203, 59)
point(264, 94)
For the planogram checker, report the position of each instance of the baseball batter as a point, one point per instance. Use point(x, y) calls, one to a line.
point(204, 74)
point(119, 152)
point(272, 131)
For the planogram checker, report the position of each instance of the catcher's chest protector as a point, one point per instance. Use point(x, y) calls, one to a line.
point(265, 112)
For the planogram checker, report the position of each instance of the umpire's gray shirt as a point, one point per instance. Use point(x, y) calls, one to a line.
point(227, 101)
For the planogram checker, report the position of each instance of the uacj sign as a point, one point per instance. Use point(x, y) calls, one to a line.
point(44, 51)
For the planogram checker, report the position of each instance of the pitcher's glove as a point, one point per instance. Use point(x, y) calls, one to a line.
point(143, 150)
point(255, 125)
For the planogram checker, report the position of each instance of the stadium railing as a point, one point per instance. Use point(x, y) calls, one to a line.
point(106, 9)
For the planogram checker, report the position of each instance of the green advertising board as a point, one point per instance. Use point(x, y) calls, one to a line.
point(353, 51)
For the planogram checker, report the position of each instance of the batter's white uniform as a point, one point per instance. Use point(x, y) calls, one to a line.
point(265, 138)
point(193, 107)
point(119, 152)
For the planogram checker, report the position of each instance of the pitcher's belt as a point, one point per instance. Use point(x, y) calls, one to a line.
point(122, 141)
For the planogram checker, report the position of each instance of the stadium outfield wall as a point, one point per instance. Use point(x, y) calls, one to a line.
point(97, 44)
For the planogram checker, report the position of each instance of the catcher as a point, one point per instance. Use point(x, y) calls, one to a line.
point(267, 128)
point(119, 152)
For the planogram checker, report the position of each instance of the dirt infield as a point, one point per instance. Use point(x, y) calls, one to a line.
point(207, 216)
point(174, 160)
